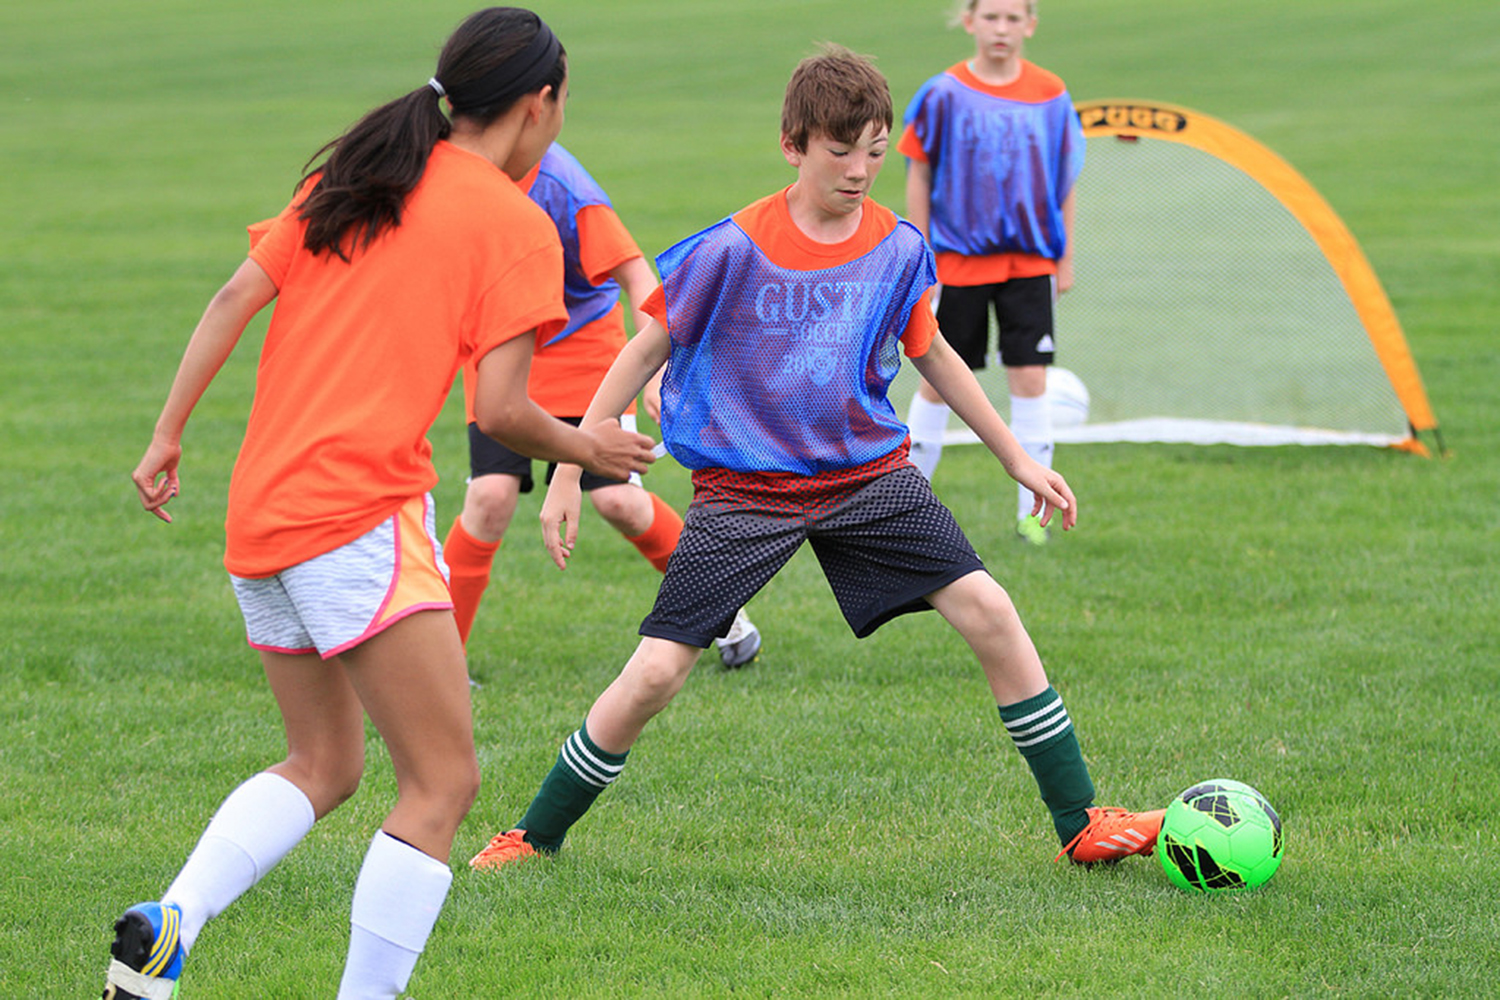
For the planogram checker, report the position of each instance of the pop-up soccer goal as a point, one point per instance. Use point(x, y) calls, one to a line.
point(1218, 299)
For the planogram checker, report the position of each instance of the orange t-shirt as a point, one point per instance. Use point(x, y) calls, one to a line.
point(360, 356)
point(565, 374)
point(1033, 86)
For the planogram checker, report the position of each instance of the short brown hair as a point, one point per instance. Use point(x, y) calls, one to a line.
point(834, 93)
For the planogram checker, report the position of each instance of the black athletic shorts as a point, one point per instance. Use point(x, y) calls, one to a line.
point(1023, 312)
point(883, 549)
point(488, 457)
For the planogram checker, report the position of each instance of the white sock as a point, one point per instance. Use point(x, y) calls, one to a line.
point(254, 828)
point(397, 899)
point(927, 421)
point(1031, 423)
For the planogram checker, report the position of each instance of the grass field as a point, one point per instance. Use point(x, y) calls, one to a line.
point(845, 818)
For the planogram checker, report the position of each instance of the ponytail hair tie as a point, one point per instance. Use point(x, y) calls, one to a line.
point(433, 83)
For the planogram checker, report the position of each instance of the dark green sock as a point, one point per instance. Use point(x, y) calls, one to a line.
point(1042, 731)
point(581, 772)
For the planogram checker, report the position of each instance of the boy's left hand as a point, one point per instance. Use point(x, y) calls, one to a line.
point(1051, 494)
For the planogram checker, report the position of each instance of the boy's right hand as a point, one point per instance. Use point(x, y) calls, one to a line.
point(560, 511)
point(616, 452)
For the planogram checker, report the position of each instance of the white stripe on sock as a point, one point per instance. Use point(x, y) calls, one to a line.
point(1018, 730)
point(1047, 722)
point(586, 765)
point(1047, 709)
point(1062, 726)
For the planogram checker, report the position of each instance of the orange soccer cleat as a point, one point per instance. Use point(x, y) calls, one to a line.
point(510, 846)
point(1113, 834)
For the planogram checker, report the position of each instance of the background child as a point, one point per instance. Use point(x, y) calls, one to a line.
point(782, 324)
point(407, 252)
point(994, 148)
point(599, 259)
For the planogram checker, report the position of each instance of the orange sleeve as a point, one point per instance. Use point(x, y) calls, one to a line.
point(518, 302)
point(921, 327)
point(603, 242)
point(274, 242)
point(258, 230)
point(910, 146)
point(276, 256)
point(528, 296)
point(655, 306)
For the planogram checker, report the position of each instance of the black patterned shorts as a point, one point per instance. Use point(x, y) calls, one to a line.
point(883, 549)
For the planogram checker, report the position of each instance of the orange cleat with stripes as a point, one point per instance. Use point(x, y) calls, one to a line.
point(505, 848)
point(1113, 834)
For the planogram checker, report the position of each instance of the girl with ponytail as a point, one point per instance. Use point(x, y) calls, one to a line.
point(407, 250)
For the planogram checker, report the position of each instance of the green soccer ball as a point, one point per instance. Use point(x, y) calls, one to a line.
point(1219, 836)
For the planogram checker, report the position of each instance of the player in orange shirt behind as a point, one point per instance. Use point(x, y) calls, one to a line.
point(409, 251)
point(599, 260)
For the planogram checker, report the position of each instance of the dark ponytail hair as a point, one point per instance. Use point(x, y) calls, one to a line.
point(492, 60)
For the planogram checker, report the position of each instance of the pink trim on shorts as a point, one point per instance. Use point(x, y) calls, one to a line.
point(378, 625)
point(280, 649)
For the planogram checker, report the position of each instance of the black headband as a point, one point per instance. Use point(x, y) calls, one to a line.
point(520, 74)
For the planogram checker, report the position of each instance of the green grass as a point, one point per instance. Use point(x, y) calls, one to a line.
point(844, 819)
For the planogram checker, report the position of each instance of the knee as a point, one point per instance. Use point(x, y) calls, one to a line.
point(628, 509)
point(466, 786)
point(441, 795)
point(989, 611)
point(489, 505)
point(456, 784)
point(328, 780)
point(343, 790)
point(999, 610)
point(657, 679)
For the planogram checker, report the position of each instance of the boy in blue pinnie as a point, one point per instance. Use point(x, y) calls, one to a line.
point(780, 329)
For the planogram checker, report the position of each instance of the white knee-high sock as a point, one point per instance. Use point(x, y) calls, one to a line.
point(397, 899)
point(1031, 423)
point(927, 421)
point(255, 827)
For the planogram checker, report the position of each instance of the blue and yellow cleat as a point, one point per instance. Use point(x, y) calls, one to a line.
point(147, 953)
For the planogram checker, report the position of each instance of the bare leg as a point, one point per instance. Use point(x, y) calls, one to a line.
point(325, 728)
point(982, 612)
point(1032, 713)
point(627, 508)
point(413, 681)
point(652, 677)
point(1027, 380)
point(270, 813)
